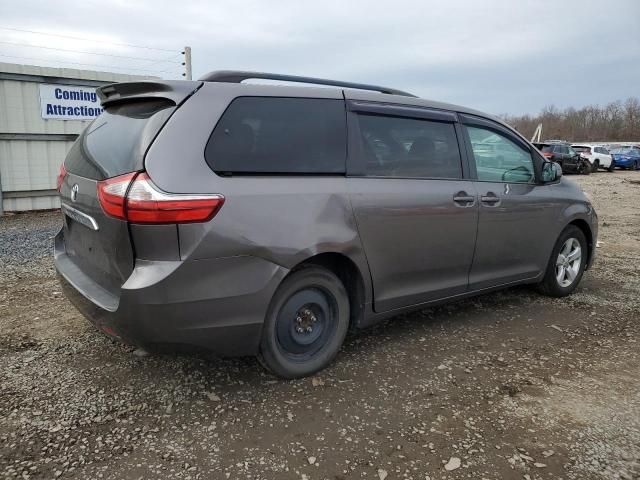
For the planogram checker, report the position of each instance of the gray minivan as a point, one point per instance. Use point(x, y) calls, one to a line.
point(269, 220)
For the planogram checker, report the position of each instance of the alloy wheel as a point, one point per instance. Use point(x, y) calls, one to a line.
point(568, 262)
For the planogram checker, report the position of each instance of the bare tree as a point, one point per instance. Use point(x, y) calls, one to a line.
point(615, 121)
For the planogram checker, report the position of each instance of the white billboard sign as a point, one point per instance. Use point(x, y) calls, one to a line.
point(69, 102)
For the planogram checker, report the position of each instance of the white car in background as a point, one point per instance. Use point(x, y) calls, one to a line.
point(598, 155)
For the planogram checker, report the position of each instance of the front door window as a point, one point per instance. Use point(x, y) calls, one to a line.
point(499, 159)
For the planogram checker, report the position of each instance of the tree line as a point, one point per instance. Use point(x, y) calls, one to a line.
point(617, 121)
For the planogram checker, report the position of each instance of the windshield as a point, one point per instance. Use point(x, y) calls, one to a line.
point(623, 150)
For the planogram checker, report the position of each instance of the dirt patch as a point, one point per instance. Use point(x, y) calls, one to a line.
point(512, 384)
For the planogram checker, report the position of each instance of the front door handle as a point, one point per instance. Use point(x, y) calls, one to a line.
point(490, 199)
point(463, 199)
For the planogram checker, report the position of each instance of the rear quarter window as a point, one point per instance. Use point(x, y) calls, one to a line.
point(277, 135)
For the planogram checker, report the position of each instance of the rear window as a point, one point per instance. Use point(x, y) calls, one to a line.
point(582, 149)
point(116, 141)
point(272, 135)
point(546, 149)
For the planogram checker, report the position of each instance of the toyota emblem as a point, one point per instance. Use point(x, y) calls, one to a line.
point(74, 192)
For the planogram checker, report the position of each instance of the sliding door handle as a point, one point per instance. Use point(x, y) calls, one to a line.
point(490, 199)
point(463, 199)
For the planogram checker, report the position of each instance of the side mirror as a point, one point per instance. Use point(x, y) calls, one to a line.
point(551, 171)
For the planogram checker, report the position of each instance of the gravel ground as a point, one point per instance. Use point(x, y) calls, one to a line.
point(508, 385)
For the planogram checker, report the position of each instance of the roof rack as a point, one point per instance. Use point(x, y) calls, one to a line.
point(233, 76)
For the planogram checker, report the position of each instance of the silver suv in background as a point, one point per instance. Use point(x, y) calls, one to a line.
point(269, 220)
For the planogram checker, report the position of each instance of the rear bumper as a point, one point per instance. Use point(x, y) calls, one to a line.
point(603, 162)
point(217, 304)
point(570, 166)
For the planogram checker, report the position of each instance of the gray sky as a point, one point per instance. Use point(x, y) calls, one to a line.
point(498, 56)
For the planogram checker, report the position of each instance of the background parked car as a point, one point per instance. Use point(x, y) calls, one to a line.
point(626, 156)
point(598, 155)
point(566, 156)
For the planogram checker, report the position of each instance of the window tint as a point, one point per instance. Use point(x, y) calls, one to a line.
point(407, 147)
point(279, 135)
point(498, 159)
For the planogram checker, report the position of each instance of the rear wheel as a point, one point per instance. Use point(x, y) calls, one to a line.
point(636, 165)
point(585, 168)
point(595, 166)
point(612, 166)
point(306, 323)
point(566, 265)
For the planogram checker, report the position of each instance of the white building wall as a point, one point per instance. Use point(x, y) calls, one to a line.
point(32, 148)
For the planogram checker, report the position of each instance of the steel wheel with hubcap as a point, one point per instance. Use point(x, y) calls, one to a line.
point(567, 263)
point(306, 323)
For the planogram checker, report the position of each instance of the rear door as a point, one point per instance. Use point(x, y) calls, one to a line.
point(515, 214)
point(96, 245)
point(416, 213)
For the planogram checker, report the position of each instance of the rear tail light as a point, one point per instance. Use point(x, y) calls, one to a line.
point(135, 198)
point(547, 154)
point(61, 174)
point(112, 194)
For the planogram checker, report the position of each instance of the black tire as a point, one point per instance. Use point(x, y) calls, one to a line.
point(595, 166)
point(636, 165)
point(586, 167)
point(310, 297)
point(550, 284)
point(612, 166)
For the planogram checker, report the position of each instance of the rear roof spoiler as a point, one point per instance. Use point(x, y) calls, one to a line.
point(175, 91)
point(234, 76)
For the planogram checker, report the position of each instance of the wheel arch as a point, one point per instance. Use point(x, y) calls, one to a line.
point(586, 229)
point(351, 276)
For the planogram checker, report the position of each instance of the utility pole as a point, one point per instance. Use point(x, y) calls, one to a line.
point(187, 63)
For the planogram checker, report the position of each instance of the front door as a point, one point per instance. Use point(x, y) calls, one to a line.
point(515, 213)
point(416, 215)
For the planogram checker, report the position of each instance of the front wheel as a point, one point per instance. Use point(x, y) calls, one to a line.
point(306, 323)
point(566, 265)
